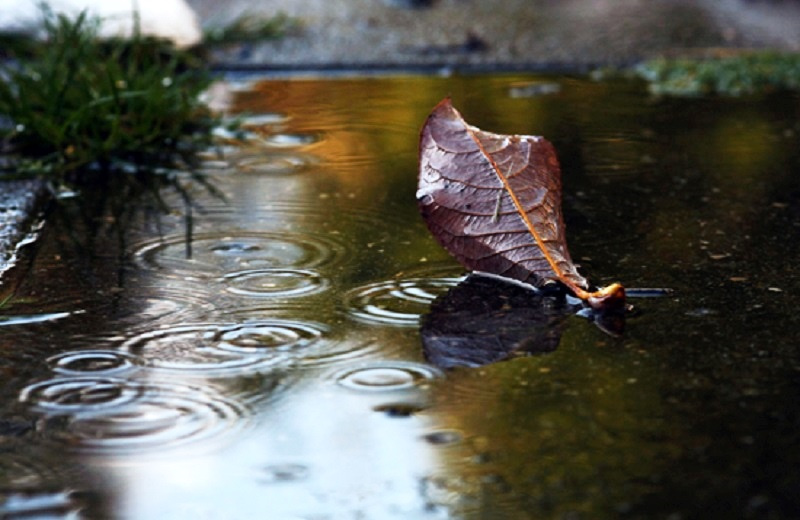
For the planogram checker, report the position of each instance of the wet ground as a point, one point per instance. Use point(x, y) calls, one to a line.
point(286, 370)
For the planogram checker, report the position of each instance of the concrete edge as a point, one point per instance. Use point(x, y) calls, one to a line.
point(21, 204)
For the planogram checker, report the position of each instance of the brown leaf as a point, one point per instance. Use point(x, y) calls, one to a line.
point(494, 202)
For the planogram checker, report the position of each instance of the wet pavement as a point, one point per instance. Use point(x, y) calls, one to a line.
point(570, 34)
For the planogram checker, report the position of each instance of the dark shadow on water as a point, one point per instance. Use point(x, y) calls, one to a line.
point(486, 319)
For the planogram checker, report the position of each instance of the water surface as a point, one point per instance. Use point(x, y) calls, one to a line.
point(279, 372)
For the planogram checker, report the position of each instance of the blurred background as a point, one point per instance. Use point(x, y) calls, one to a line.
point(502, 34)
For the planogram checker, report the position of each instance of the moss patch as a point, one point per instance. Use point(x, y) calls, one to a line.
point(742, 74)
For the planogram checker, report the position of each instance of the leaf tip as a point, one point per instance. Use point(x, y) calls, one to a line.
point(608, 299)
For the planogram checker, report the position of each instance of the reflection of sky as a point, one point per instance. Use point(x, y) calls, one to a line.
point(322, 451)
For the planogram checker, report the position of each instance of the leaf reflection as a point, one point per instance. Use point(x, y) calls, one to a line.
point(486, 319)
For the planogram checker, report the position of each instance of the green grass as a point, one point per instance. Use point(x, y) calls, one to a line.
point(252, 28)
point(737, 75)
point(86, 114)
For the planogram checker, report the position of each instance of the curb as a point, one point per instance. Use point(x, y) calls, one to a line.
point(21, 202)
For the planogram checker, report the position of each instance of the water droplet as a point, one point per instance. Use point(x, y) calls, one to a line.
point(215, 349)
point(271, 283)
point(94, 362)
point(387, 376)
point(396, 302)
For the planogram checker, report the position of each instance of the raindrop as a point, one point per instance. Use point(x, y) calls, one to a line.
point(396, 302)
point(387, 376)
point(94, 362)
point(216, 349)
point(270, 283)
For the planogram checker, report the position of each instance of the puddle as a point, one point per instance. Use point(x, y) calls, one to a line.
point(320, 356)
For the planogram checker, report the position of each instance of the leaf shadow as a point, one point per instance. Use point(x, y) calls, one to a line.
point(486, 319)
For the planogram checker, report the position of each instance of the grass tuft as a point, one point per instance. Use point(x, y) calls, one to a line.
point(253, 28)
point(84, 113)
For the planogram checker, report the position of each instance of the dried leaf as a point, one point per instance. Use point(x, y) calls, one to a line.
point(494, 202)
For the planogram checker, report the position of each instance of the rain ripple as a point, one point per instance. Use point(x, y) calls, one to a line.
point(270, 283)
point(221, 350)
point(105, 416)
point(72, 395)
point(217, 254)
point(94, 362)
point(275, 163)
point(396, 302)
point(387, 376)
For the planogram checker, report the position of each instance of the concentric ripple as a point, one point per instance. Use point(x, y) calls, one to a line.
point(387, 376)
point(94, 362)
point(215, 349)
point(71, 395)
point(396, 302)
point(276, 163)
point(222, 254)
point(270, 283)
point(162, 416)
